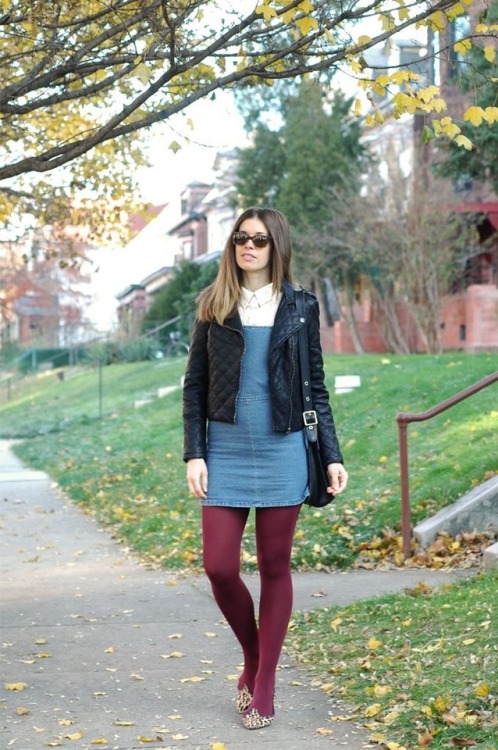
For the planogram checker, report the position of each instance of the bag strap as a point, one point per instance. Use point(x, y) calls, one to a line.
point(310, 419)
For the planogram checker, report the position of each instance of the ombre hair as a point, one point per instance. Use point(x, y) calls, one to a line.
point(220, 299)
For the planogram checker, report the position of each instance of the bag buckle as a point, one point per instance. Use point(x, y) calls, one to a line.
point(310, 418)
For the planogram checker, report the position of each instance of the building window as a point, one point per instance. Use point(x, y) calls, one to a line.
point(462, 333)
point(459, 29)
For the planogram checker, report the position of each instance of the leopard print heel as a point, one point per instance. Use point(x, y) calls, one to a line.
point(244, 699)
point(254, 720)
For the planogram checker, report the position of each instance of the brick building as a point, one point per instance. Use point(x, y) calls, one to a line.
point(469, 312)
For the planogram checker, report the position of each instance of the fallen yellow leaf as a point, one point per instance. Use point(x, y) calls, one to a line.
point(99, 741)
point(144, 739)
point(118, 723)
point(390, 717)
point(373, 643)
point(15, 686)
point(22, 711)
point(471, 720)
point(381, 689)
point(193, 679)
point(74, 736)
point(482, 690)
point(322, 730)
point(373, 709)
point(217, 746)
point(442, 703)
point(343, 718)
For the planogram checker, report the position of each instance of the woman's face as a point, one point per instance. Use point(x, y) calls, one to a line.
point(254, 261)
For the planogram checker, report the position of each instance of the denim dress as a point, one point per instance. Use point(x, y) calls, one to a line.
point(250, 465)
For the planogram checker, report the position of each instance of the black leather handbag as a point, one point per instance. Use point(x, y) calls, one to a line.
point(317, 473)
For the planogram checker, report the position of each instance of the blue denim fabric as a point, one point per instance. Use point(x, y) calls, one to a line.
point(250, 465)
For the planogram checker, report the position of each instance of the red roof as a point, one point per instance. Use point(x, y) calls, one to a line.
point(140, 219)
point(490, 208)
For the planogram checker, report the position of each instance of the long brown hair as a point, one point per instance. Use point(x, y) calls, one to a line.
point(220, 299)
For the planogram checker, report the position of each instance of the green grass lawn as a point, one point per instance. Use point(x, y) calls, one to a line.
point(126, 467)
point(416, 669)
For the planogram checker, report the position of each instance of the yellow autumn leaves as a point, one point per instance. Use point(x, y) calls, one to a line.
point(299, 15)
point(419, 670)
point(157, 733)
point(412, 100)
point(408, 97)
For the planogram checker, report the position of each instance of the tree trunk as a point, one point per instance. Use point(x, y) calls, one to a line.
point(394, 335)
point(353, 330)
point(350, 318)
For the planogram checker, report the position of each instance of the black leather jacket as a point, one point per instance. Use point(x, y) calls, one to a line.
point(213, 374)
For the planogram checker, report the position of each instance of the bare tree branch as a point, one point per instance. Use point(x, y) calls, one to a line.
point(93, 60)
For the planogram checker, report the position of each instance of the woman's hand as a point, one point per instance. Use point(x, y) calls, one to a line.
point(338, 478)
point(197, 477)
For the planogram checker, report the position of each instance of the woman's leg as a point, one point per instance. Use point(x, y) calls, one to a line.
point(222, 530)
point(274, 534)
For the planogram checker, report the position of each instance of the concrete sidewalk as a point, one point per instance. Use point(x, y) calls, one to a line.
point(111, 650)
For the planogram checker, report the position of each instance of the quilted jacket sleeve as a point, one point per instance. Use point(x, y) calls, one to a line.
point(329, 444)
point(195, 391)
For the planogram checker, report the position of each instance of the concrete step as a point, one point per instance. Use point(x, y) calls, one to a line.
point(161, 393)
point(475, 511)
point(490, 557)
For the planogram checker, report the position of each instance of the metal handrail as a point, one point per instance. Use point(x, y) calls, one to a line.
point(159, 327)
point(404, 419)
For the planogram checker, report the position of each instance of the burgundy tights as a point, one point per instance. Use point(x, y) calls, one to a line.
point(222, 530)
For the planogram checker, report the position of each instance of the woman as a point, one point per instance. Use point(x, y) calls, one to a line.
point(244, 442)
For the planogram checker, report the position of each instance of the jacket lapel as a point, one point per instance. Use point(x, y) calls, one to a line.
point(287, 320)
point(234, 322)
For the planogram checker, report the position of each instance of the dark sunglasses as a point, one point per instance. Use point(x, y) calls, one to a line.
point(258, 240)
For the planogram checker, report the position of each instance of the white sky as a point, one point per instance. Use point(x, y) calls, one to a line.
point(217, 126)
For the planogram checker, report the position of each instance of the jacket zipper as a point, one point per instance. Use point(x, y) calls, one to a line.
point(291, 389)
